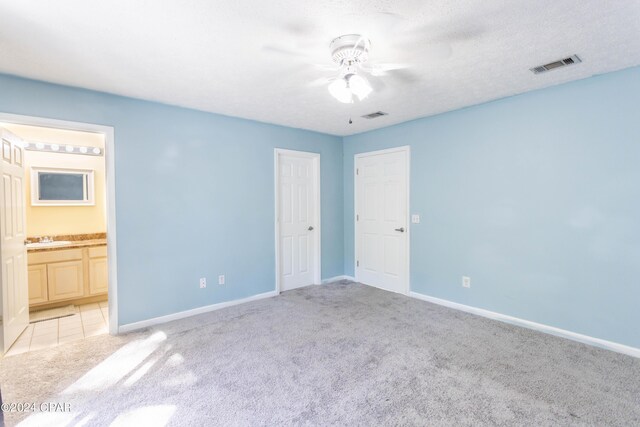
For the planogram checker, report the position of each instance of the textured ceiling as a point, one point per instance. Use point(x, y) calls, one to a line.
point(233, 56)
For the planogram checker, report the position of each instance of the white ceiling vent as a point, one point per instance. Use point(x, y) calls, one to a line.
point(374, 115)
point(556, 64)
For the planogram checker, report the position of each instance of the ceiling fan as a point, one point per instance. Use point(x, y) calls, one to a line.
point(350, 53)
point(354, 76)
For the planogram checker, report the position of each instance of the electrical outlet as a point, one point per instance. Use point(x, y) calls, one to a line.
point(203, 282)
point(466, 281)
point(221, 279)
point(415, 219)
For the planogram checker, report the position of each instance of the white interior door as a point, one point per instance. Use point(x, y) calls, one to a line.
point(298, 216)
point(15, 297)
point(381, 219)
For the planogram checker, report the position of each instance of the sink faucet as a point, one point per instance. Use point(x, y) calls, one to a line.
point(46, 239)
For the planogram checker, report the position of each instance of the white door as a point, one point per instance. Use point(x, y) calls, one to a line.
point(15, 296)
point(381, 219)
point(298, 216)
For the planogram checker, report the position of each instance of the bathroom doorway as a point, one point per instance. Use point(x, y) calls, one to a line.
point(66, 269)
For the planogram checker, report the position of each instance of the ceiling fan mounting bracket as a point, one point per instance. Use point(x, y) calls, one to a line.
point(349, 49)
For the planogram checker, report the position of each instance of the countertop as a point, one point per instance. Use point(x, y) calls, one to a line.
point(77, 241)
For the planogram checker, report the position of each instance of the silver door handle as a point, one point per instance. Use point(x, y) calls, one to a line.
point(401, 229)
point(310, 228)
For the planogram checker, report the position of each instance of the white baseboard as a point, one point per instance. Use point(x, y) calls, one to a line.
point(337, 278)
point(585, 339)
point(188, 313)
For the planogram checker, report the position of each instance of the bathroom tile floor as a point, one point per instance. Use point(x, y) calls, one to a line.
point(93, 319)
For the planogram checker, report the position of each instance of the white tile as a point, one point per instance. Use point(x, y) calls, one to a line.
point(17, 349)
point(27, 333)
point(94, 323)
point(71, 338)
point(92, 330)
point(66, 331)
point(91, 313)
point(87, 307)
point(42, 345)
point(53, 330)
point(45, 335)
point(73, 316)
point(95, 333)
point(46, 324)
point(21, 344)
point(71, 324)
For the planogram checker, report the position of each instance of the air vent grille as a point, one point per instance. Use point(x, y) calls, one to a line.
point(556, 64)
point(374, 115)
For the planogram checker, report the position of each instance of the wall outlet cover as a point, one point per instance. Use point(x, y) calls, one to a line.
point(203, 282)
point(415, 219)
point(221, 279)
point(466, 281)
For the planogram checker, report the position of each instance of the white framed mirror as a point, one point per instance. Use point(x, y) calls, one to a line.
point(62, 187)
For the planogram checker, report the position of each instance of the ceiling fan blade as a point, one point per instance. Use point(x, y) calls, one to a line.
point(404, 76)
point(381, 69)
point(299, 28)
point(321, 81)
point(362, 40)
point(377, 85)
point(283, 50)
point(327, 67)
point(438, 51)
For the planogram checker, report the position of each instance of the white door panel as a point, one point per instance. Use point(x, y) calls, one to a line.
point(15, 296)
point(381, 220)
point(298, 225)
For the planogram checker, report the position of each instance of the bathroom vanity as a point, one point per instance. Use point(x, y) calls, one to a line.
point(67, 270)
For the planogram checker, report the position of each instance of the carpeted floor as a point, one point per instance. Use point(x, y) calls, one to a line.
point(338, 354)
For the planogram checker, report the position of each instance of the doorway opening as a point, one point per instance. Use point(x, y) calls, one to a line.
point(297, 204)
point(58, 235)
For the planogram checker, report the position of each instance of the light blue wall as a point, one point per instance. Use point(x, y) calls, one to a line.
point(535, 197)
point(194, 195)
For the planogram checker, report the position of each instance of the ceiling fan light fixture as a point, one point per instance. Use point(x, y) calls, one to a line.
point(359, 86)
point(339, 89)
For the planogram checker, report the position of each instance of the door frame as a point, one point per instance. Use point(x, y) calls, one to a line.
point(406, 286)
point(317, 262)
point(110, 181)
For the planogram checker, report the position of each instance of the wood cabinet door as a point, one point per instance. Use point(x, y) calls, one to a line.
point(98, 276)
point(38, 284)
point(65, 280)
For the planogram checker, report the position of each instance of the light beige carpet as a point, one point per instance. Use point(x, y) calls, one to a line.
point(52, 313)
point(337, 354)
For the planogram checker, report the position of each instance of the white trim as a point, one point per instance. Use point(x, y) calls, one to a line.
point(277, 152)
point(407, 150)
point(585, 339)
point(193, 312)
point(109, 153)
point(337, 279)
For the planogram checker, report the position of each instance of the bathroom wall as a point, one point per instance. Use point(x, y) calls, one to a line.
point(535, 197)
point(57, 220)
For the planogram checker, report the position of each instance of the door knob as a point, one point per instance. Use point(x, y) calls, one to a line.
point(310, 228)
point(401, 229)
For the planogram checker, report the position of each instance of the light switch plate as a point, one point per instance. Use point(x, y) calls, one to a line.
point(415, 219)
